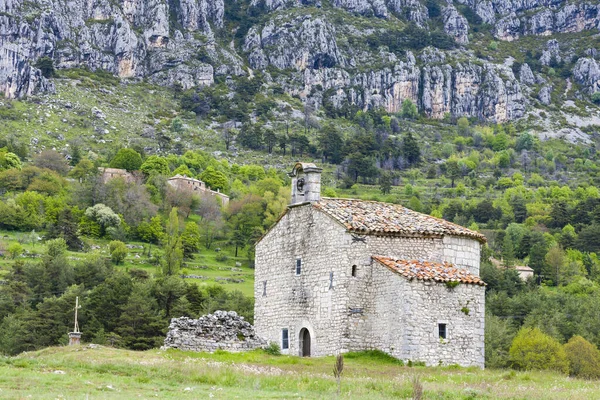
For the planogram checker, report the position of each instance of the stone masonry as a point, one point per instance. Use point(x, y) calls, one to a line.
point(316, 279)
point(223, 330)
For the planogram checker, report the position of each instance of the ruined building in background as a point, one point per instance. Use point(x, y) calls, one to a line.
point(107, 174)
point(338, 275)
point(182, 182)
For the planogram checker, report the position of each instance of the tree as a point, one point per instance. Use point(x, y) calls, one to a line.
point(128, 159)
point(519, 208)
point(361, 165)
point(118, 251)
point(139, 324)
point(409, 110)
point(190, 239)
point(52, 160)
point(385, 182)
point(559, 214)
point(463, 126)
point(173, 249)
point(155, 165)
point(270, 140)
point(251, 136)
point(452, 169)
point(508, 252)
point(588, 238)
point(555, 262)
point(66, 228)
point(533, 349)
point(596, 98)
point(228, 136)
point(83, 170)
point(9, 160)
point(46, 66)
point(331, 144)
point(214, 179)
point(151, 231)
point(410, 149)
point(584, 358)
point(103, 216)
point(15, 250)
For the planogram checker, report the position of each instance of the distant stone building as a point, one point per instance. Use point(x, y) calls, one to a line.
point(524, 271)
point(182, 182)
point(107, 174)
point(338, 275)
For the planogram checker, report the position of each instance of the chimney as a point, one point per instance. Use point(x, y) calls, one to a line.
point(306, 183)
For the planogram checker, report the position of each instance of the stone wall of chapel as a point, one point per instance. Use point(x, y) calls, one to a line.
point(307, 300)
point(406, 315)
point(353, 315)
point(463, 252)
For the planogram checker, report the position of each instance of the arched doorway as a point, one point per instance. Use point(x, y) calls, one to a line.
point(304, 342)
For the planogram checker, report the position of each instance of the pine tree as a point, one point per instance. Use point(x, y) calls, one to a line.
point(508, 251)
point(410, 149)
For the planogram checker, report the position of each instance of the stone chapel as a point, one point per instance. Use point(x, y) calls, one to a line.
point(336, 275)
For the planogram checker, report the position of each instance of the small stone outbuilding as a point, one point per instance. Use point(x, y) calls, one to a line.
point(338, 275)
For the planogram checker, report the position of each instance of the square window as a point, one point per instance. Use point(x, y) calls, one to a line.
point(443, 331)
point(298, 266)
point(285, 343)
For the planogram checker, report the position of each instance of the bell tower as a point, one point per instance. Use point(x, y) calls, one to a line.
point(306, 183)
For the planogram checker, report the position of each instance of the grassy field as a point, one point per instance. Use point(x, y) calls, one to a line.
point(95, 372)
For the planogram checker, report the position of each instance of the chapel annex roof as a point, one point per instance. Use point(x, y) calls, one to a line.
point(374, 217)
point(429, 271)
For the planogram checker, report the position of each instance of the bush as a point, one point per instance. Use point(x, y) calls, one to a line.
point(15, 250)
point(584, 358)
point(118, 251)
point(273, 349)
point(533, 349)
point(596, 98)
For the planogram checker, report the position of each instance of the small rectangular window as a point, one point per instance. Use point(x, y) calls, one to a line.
point(264, 288)
point(298, 266)
point(285, 343)
point(330, 280)
point(443, 332)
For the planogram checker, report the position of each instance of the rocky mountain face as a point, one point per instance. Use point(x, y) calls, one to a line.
point(340, 53)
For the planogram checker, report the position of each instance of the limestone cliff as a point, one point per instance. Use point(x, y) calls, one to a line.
point(354, 52)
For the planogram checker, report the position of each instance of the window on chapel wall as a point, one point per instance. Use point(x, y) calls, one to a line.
point(443, 331)
point(285, 340)
point(298, 266)
point(354, 268)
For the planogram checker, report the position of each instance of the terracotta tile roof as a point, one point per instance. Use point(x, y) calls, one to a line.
point(363, 216)
point(429, 271)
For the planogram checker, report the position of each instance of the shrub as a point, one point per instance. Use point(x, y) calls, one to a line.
point(221, 257)
point(273, 349)
point(118, 251)
point(533, 349)
point(15, 250)
point(584, 358)
point(596, 97)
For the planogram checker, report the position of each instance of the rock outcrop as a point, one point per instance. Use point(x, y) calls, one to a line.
point(129, 39)
point(304, 42)
point(587, 73)
point(456, 25)
point(224, 330)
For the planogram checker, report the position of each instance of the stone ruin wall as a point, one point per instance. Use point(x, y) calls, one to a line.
point(223, 330)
